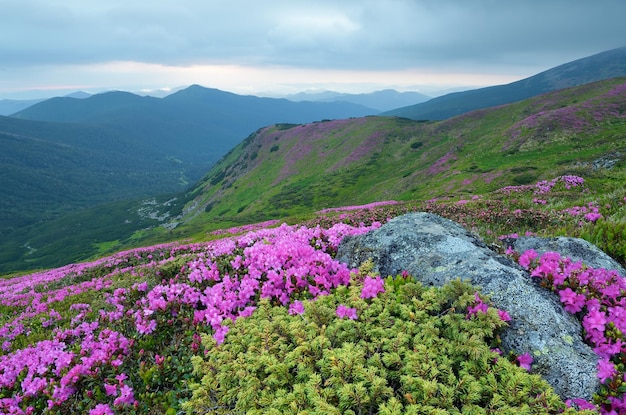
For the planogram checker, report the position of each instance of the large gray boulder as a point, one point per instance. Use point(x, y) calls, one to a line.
point(436, 251)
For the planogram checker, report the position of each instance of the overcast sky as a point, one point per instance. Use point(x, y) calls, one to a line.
point(51, 47)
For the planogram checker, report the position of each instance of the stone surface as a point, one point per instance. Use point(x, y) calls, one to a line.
point(436, 251)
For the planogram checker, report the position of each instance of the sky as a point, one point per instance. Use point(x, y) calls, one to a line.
point(279, 47)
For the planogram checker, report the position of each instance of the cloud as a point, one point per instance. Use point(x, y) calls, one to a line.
point(453, 36)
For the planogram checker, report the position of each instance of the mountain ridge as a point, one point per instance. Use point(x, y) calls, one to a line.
point(382, 100)
point(67, 154)
point(283, 170)
point(603, 65)
point(357, 163)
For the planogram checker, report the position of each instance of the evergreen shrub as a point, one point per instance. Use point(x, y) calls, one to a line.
point(609, 236)
point(409, 350)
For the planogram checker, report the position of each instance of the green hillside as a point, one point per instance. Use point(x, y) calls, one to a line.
point(604, 65)
point(285, 170)
point(51, 169)
point(290, 171)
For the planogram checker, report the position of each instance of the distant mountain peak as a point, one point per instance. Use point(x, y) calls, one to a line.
point(78, 95)
point(383, 100)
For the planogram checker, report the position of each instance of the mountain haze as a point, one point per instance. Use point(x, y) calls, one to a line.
point(66, 154)
point(196, 125)
point(384, 100)
point(597, 67)
point(11, 106)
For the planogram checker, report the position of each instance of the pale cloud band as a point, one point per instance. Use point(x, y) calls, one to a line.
point(273, 45)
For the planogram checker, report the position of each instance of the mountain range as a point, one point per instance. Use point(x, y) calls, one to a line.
point(292, 170)
point(604, 65)
point(286, 170)
point(11, 106)
point(385, 100)
point(78, 176)
point(65, 153)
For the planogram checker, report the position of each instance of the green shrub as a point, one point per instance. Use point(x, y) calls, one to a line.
point(610, 237)
point(412, 350)
point(524, 178)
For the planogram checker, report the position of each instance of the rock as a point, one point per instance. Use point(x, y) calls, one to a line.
point(574, 248)
point(436, 251)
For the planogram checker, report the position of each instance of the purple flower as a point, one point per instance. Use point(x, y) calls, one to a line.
point(581, 404)
point(121, 377)
point(573, 302)
point(101, 409)
point(504, 316)
point(126, 396)
point(525, 361)
point(110, 390)
point(480, 307)
point(606, 369)
point(527, 257)
point(296, 308)
point(593, 216)
point(343, 312)
point(372, 287)
point(595, 320)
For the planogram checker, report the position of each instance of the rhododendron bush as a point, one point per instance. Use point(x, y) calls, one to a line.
point(598, 298)
point(83, 339)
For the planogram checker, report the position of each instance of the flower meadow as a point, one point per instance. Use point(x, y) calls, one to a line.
point(83, 338)
point(117, 335)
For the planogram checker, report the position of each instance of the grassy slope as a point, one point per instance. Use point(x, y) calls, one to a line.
point(288, 170)
point(601, 66)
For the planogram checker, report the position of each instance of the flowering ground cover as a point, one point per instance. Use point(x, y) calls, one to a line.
point(118, 335)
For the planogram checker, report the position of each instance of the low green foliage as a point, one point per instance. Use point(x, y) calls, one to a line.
point(610, 236)
point(412, 350)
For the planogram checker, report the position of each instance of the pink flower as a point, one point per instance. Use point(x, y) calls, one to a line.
point(581, 404)
point(372, 287)
point(573, 302)
point(296, 308)
point(126, 396)
point(592, 217)
point(504, 316)
point(343, 312)
point(595, 320)
point(121, 377)
point(480, 307)
point(527, 257)
point(110, 390)
point(101, 409)
point(220, 334)
point(525, 361)
point(606, 369)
